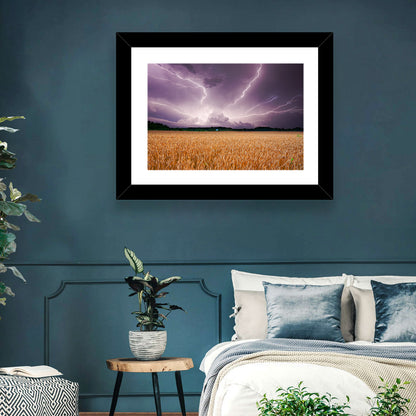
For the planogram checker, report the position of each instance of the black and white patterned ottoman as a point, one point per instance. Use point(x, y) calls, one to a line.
point(47, 396)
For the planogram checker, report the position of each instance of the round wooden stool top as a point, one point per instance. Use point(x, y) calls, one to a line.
point(163, 364)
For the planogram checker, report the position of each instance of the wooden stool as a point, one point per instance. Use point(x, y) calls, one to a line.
point(131, 365)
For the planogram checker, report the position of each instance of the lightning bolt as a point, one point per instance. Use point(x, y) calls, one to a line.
point(277, 110)
point(269, 100)
point(170, 106)
point(249, 84)
point(204, 90)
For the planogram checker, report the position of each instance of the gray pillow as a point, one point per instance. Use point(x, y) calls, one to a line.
point(395, 312)
point(303, 311)
point(251, 314)
point(365, 314)
point(251, 317)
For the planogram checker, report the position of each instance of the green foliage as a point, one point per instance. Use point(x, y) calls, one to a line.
point(388, 401)
point(297, 401)
point(11, 207)
point(148, 289)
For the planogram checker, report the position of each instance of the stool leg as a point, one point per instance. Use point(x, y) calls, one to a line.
point(156, 394)
point(180, 392)
point(115, 393)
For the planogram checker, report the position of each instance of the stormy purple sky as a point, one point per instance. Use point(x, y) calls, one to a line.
point(228, 95)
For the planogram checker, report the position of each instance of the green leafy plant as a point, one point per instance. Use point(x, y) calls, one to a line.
point(297, 401)
point(389, 402)
point(12, 206)
point(148, 289)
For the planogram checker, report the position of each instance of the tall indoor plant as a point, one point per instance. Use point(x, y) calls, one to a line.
point(10, 206)
point(149, 342)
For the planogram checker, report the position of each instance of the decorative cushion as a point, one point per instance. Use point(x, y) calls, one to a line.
point(395, 312)
point(48, 396)
point(304, 311)
point(365, 311)
point(250, 302)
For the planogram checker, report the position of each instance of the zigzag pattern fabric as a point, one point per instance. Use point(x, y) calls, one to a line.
point(48, 396)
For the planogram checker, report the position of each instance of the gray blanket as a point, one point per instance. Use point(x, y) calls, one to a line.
point(240, 350)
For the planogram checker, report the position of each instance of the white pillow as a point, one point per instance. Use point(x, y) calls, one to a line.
point(250, 303)
point(363, 282)
point(252, 281)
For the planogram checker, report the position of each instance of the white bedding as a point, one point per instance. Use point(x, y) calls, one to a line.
point(244, 385)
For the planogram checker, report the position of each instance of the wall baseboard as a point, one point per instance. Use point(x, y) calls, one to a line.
point(135, 414)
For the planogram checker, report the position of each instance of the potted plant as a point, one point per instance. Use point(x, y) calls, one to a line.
point(149, 342)
point(13, 204)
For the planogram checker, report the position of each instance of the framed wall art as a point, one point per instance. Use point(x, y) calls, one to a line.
point(224, 115)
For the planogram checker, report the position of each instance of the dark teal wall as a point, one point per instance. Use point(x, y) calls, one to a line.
point(58, 69)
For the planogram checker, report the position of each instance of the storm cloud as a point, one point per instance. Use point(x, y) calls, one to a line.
point(228, 95)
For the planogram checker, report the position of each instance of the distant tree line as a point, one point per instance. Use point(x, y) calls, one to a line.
point(159, 126)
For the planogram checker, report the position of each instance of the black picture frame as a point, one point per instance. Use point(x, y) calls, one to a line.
point(126, 190)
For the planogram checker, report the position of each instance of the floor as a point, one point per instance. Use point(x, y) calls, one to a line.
point(134, 414)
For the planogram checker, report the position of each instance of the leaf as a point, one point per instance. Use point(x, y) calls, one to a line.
point(3, 268)
point(14, 192)
point(10, 118)
point(7, 159)
point(8, 291)
point(30, 216)
point(28, 197)
point(135, 263)
point(3, 301)
point(167, 282)
point(148, 276)
point(170, 280)
point(136, 283)
point(175, 307)
point(8, 129)
point(6, 238)
point(11, 226)
point(12, 208)
point(16, 273)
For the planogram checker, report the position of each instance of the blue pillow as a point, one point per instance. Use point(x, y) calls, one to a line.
point(304, 311)
point(395, 312)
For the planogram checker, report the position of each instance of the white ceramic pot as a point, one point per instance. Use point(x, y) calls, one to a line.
point(147, 345)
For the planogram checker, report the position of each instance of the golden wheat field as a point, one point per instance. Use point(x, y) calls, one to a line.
point(225, 150)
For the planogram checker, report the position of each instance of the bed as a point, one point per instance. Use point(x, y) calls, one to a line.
point(336, 334)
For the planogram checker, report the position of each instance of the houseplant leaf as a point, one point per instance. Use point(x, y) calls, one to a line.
point(14, 192)
point(135, 263)
point(10, 118)
point(7, 159)
point(30, 216)
point(28, 197)
point(12, 208)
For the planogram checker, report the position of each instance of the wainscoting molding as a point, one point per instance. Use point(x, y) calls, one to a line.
point(64, 282)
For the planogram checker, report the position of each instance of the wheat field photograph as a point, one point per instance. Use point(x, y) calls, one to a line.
point(225, 117)
point(225, 150)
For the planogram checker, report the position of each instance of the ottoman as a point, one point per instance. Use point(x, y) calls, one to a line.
point(46, 396)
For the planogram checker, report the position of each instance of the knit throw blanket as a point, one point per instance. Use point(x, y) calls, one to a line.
point(367, 362)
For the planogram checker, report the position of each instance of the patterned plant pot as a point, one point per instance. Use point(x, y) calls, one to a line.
point(147, 345)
